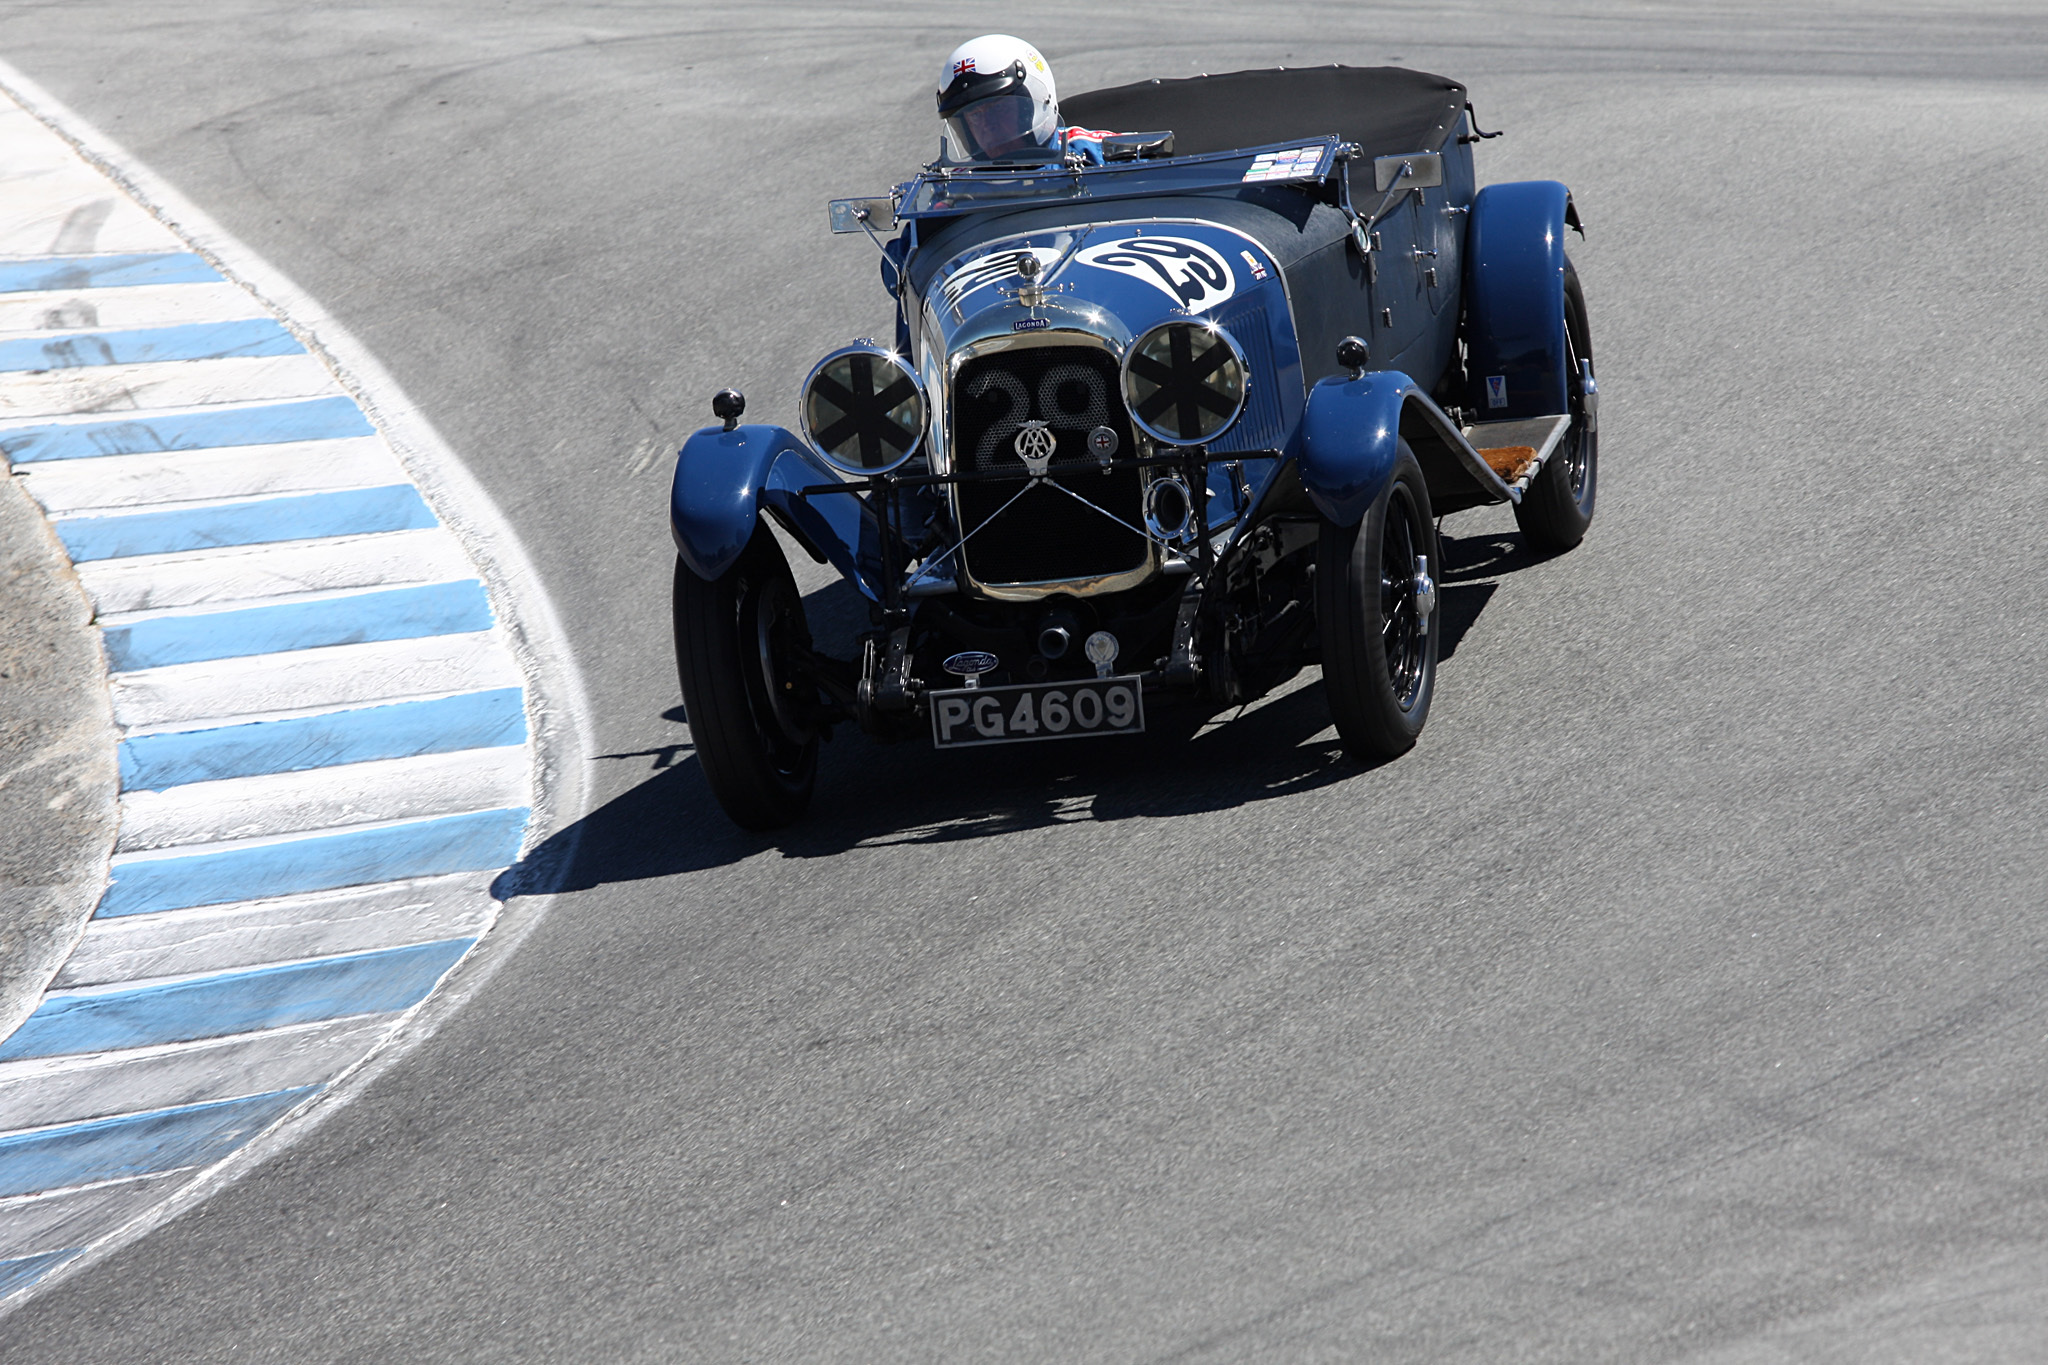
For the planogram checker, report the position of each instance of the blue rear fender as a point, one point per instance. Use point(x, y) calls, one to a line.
point(725, 480)
point(1514, 299)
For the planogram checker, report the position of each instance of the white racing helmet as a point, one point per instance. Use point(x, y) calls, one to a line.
point(997, 98)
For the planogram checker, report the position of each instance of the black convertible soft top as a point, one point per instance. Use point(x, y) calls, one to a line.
point(1385, 109)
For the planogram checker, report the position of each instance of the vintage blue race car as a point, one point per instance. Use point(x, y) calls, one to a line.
point(1182, 421)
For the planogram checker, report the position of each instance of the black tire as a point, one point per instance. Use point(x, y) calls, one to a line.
point(1558, 507)
point(1379, 650)
point(752, 710)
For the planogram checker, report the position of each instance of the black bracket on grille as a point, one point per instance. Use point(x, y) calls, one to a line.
point(1181, 668)
point(1181, 665)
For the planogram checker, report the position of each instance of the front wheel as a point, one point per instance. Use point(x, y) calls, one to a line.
point(741, 648)
point(1376, 608)
point(1558, 506)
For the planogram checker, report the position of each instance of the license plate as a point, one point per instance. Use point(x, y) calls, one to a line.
point(1012, 715)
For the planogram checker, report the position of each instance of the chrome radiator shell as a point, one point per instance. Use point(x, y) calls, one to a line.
point(973, 351)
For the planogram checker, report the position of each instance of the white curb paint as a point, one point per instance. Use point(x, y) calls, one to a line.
point(353, 703)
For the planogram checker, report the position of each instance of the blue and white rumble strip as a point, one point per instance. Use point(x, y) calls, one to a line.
point(325, 752)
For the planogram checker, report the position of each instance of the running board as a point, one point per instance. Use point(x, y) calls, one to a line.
point(1516, 451)
point(1487, 462)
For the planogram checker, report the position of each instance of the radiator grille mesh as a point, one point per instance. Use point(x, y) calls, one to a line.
point(1045, 535)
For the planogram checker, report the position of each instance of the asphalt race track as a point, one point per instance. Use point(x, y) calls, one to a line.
point(1684, 996)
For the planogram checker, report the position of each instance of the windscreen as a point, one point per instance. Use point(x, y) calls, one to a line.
point(950, 190)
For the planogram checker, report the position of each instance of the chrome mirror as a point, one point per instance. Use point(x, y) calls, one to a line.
point(1416, 171)
point(862, 215)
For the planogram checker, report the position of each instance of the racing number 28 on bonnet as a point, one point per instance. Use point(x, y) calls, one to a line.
point(1184, 375)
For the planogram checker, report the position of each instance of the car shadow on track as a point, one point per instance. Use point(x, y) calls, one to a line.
point(1467, 578)
point(1193, 758)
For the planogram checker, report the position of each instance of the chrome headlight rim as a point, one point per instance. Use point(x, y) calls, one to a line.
point(881, 427)
point(1137, 351)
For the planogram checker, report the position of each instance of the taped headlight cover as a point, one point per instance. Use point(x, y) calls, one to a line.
point(862, 408)
point(1184, 382)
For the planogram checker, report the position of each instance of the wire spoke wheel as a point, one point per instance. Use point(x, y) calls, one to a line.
point(1557, 508)
point(768, 610)
point(1578, 441)
point(1376, 614)
point(1404, 632)
point(742, 646)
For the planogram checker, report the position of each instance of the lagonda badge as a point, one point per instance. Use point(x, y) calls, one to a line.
point(971, 663)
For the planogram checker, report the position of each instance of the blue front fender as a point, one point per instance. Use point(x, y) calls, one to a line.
point(724, 481)
point(1350, 438)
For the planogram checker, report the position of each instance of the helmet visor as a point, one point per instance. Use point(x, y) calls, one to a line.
point(998, 126)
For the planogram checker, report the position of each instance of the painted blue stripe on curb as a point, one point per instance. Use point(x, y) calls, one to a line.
point(473, 720)
point(146, 345)
point(305, 516)
point(233, 1002)
point(138, 1144)
point(316, 419)
point(478, 841)
point(385, 614)
point(23, 1271)
point(105, 272)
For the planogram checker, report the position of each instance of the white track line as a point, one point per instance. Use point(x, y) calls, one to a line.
point(110, 390)
point(324, 798)
point(341, 675)
point(47, 1091)
point(49, 311)
point(221, 937)
point(108, 482)
point(28, 1222)
point(238, 573)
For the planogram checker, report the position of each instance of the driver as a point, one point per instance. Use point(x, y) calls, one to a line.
point(997, 98)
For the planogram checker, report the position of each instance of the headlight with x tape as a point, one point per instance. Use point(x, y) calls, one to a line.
point(863, 409)
point(1184, 382)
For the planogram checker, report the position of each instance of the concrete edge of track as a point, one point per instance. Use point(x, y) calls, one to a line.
point(556, 713)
